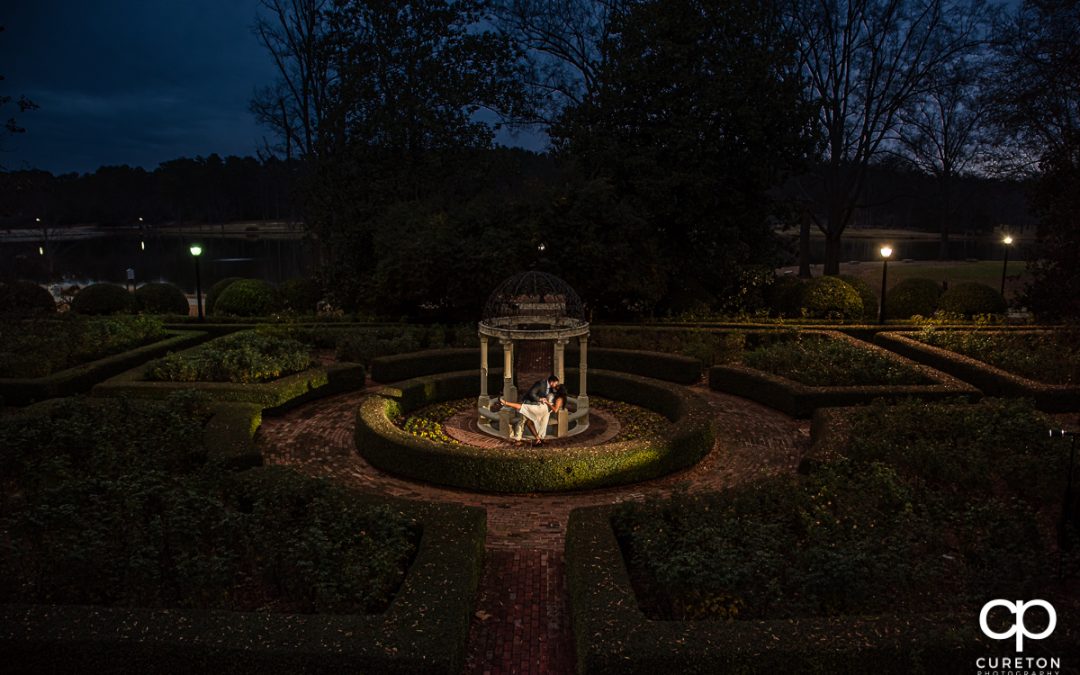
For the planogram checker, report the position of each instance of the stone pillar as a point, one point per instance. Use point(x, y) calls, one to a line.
point(509, 390)
point(483, 400)
point(583, 374)
point(559, 362)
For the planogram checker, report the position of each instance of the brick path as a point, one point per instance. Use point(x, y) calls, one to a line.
point(522, 624)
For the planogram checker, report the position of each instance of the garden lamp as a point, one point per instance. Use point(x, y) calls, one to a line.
point(1008, 240)
point(196, 251)
point(886, 251)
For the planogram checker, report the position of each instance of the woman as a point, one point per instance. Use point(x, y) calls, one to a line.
point(538, 414)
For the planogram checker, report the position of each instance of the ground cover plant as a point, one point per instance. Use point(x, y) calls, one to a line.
point(39, 347)
point(247, 357)
point(923, 506)
point(709, 347)
point(1050, 357)
point(819, 360)
point(115, 503)
point(362, 345)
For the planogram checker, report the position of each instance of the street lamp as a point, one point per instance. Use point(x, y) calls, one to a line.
point(196, 251)
point(1066, 505)
point(886, 251)
point(1005, 267)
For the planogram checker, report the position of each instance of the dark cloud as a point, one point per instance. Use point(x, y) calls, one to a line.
point(131, 82)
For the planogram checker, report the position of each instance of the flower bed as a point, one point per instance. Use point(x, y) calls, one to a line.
point(1040, 365)
point(247, 357)
point(879, 559)
point(851, 372)
point(389, 448)
point(116, 516)
point(38, 348)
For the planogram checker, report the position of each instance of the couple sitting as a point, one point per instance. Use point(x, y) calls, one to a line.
point(543, 398)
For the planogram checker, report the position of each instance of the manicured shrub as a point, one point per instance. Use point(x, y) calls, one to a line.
point(829, 298)
point(783, 296)
point(21, 297)
point(911, 297)
point(819, 360)
point(210, 301)
point(161, 298)
point(301, 295)
point(242, 357)
point(248, 297)
point(866, 294)
point(38, 348)
point(103, 299)
point(1048, 357)
point(972, 298)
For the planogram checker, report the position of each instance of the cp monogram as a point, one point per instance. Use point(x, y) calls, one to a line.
point(1019, 629)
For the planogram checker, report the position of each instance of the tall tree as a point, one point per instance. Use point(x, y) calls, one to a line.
point(696, 115)
point(296, 35)
point(23, 104)
point(864, 61)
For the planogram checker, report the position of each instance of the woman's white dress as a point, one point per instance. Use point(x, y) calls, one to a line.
point(539, 414)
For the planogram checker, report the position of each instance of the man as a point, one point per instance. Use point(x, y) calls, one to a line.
point(534, 409)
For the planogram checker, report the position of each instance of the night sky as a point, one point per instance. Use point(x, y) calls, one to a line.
point(133, 82)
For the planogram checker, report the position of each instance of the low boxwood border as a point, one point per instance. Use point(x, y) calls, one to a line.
point(275, 396)
point(500, 469)
point(657, 365)
point(80, 378)
point(423, 631)
point(990, 379)
point(613, 636)
point(800, 400)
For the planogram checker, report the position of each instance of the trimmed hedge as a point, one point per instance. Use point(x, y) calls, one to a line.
point(161, 298)
point(215, 292)
point(80, 378)
point(669, 367)
point(274, 397)
point(866, 293)
point(971, 299)
point(911, 297)
point(248, 297)
point(991, 380)
point(830, 297)
point(800, 400)
point(21, 297)
point(103, 299)
point(612, 636)
point(423, 631)
point(229, 435)
point(391, 449)
point(301, 295)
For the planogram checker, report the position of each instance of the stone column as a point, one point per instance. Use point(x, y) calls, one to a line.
point(559, 362)
point(583, 374)
point(483, 400)
point(509, 390)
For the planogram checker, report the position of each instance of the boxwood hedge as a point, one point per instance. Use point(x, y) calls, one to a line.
point(423, 631)
point(391, 449)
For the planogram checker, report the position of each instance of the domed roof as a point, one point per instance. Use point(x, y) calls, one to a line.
point(536, 294)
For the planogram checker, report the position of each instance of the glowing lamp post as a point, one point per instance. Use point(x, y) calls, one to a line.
point(196, 251)
point(1007, 241)
point(886, 251)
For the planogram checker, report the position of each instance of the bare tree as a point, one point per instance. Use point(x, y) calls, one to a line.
point(295, 108)
point(864, 61)
point(563, 41)
point(944, 134)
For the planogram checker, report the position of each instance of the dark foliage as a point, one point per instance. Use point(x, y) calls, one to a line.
point(210, 301)
point(248, 297)
point(972, 299)
point(25, 297)
point(103, 299)
point(911, 297)
point(161, 298)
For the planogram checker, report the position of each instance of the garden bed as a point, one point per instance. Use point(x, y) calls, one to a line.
point(133, 548)
point(80, 377)
point(823, 357)
point(1040, 365)
point(257, 368)
point(510, 469)
point(878, 559)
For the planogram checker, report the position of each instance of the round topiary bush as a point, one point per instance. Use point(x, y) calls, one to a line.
point(911, 297)
point(783, 296)
point(971, 298)
point(215, 292)
point(830, 298)
point(866, 294)
point(22, 297)
point(301, 295)
point(248, 297)
point(103, 299)
point(161, 298)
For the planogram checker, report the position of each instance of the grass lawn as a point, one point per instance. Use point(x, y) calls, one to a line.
point(985, 272)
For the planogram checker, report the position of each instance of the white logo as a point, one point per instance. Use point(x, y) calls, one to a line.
point(1019, 629)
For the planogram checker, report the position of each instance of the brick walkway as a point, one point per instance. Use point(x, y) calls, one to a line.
point(521, 623)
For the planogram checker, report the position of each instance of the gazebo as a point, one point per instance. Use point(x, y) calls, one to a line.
point(533, 308)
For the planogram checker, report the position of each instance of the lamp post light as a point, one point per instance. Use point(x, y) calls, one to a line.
point(196, 251)
point(1007, 241)
point(886, 251)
